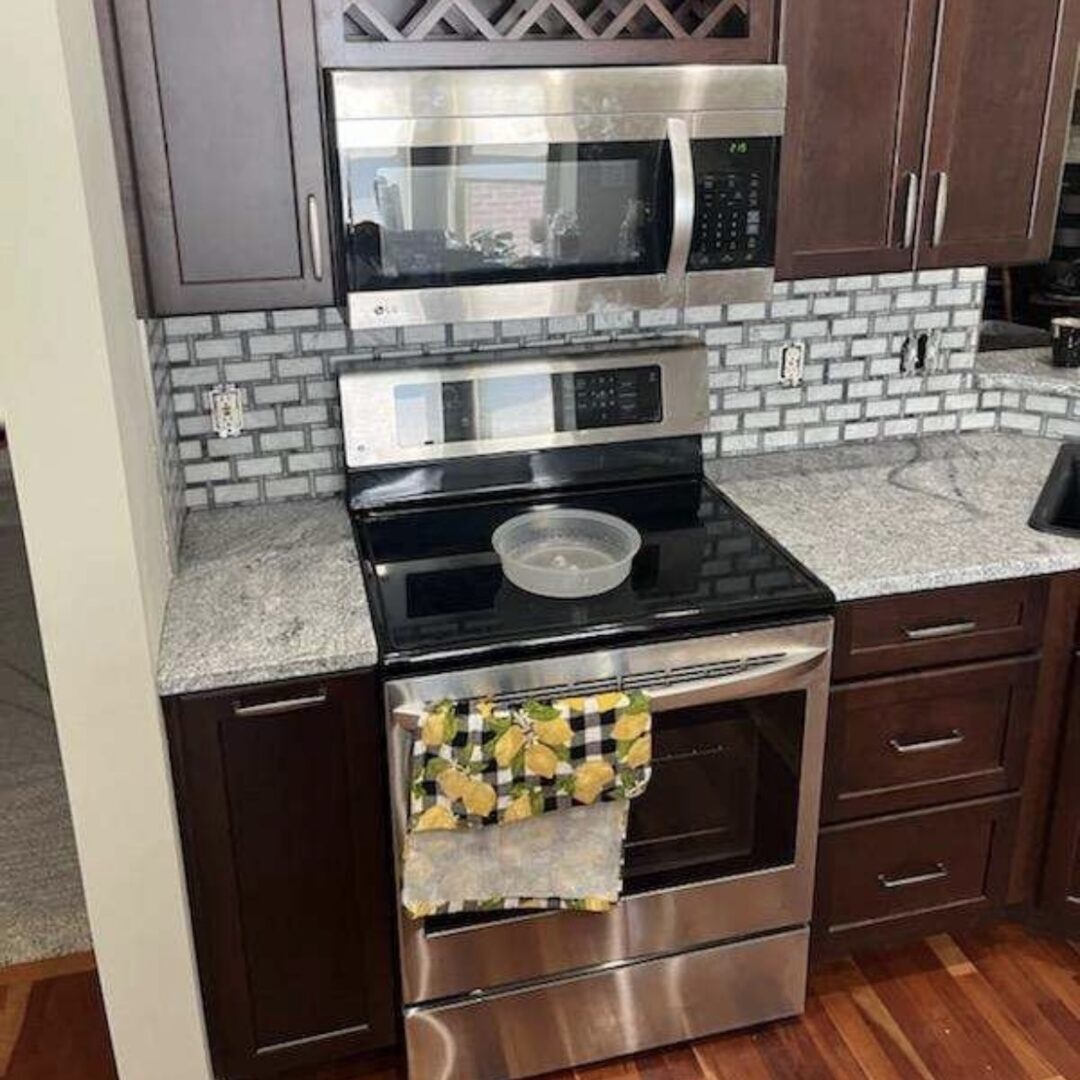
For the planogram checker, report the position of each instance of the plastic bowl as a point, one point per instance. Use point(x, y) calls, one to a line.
point(566, 554)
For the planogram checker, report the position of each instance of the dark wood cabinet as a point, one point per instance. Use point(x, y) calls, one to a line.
point(927, 738)
point(544, 33)
point(223, 104)
point(940, 715)
point(945, 626)
point(858, 89)
point(923, 133)
point(912, 874)
point(1061, 879)
point(281, 801)
point(995, 152)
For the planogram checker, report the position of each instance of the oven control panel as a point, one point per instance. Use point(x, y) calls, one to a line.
point(498, 406)
point(588, 396)
point(599, 399)
point(734, 205)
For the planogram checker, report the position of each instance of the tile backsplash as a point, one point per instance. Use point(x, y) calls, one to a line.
point(286, 365)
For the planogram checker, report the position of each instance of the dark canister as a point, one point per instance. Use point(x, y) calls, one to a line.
point(1066, 335)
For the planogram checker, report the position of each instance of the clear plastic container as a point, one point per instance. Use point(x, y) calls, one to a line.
point(567, 553)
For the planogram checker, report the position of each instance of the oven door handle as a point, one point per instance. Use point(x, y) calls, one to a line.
point(683, 205)
point(749, 682)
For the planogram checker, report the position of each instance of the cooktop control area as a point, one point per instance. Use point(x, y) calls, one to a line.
point(423, 415)
point(427, 414)
point(611, 398)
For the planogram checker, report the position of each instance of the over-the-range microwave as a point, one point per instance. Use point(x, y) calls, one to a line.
point(522, 193)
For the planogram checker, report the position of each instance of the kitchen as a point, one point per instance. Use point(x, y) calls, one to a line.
point(386, 316)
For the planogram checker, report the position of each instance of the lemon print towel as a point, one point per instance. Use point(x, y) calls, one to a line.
point(523, 806)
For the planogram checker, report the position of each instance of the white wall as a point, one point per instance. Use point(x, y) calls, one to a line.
point(73, 383)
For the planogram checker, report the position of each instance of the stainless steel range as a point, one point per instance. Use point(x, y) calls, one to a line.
point(730, 637)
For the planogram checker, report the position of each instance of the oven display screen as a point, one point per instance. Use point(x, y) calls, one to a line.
point(525, 405)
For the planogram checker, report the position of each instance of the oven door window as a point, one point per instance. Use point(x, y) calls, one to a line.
point(468, 215)
point(724, 794)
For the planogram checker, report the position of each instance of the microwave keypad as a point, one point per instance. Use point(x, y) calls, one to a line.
point(733, 210)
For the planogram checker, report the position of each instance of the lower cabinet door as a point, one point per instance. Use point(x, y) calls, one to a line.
point(929, 738)
point(912, 874)
point(280, 795)
point(1060, 897)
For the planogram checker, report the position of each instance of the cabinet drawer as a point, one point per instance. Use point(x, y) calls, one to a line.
point(919, 740)
point(912, 873)
point(896, 633)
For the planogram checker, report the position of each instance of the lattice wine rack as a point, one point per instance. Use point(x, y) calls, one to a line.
point(507, 32)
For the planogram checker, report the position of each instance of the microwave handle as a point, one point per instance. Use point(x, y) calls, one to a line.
point(682, 217)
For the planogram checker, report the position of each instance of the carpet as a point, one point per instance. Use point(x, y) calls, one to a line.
point(42, 912)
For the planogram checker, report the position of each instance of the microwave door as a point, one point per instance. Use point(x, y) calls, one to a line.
point(514, 217)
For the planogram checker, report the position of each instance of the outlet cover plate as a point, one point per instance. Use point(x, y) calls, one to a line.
point(226, 411)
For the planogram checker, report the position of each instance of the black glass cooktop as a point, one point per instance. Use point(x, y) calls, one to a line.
point(438, 592)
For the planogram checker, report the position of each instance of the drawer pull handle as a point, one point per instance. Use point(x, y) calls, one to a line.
point(940, 871)
point(922, 633)
point(273, 708)
point(954, 738)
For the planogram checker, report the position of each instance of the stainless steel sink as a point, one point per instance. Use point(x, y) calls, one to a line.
point(1058, 508)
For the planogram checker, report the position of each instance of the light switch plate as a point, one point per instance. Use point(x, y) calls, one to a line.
point(226, 410)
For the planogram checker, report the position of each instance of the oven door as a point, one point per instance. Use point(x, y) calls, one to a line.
point(720, 846)
point(450, 215)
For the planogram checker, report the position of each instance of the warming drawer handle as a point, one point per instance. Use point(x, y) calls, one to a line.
point(939, 872)
point(683, 208)
point(954, 738)
point(923, 633)
point(283, 705)
point(768, 678)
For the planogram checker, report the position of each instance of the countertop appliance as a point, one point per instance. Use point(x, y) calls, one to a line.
point(520, 193)
point(729, 635)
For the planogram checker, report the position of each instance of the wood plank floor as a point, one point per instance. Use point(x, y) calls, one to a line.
point(998, 1003)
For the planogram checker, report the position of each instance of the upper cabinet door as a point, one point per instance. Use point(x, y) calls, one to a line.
point(223, 99)
point(1004, 84)
point(859, 83)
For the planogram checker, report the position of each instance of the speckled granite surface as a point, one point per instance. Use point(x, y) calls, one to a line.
point(903, 516)
point(263, 593)
point(1025, 369)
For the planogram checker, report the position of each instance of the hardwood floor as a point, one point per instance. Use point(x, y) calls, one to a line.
point(52, 1022)
point(1000, 1002)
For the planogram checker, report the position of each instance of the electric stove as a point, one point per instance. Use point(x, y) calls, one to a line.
point(445, 456)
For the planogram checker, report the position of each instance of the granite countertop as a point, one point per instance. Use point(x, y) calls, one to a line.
point(275, 592)
point(265, 593)
point(1026, 369)
point(895, 517)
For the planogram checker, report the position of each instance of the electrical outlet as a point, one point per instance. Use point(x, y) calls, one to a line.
point(226, 410)
point(921, 353)
point(792, 363)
